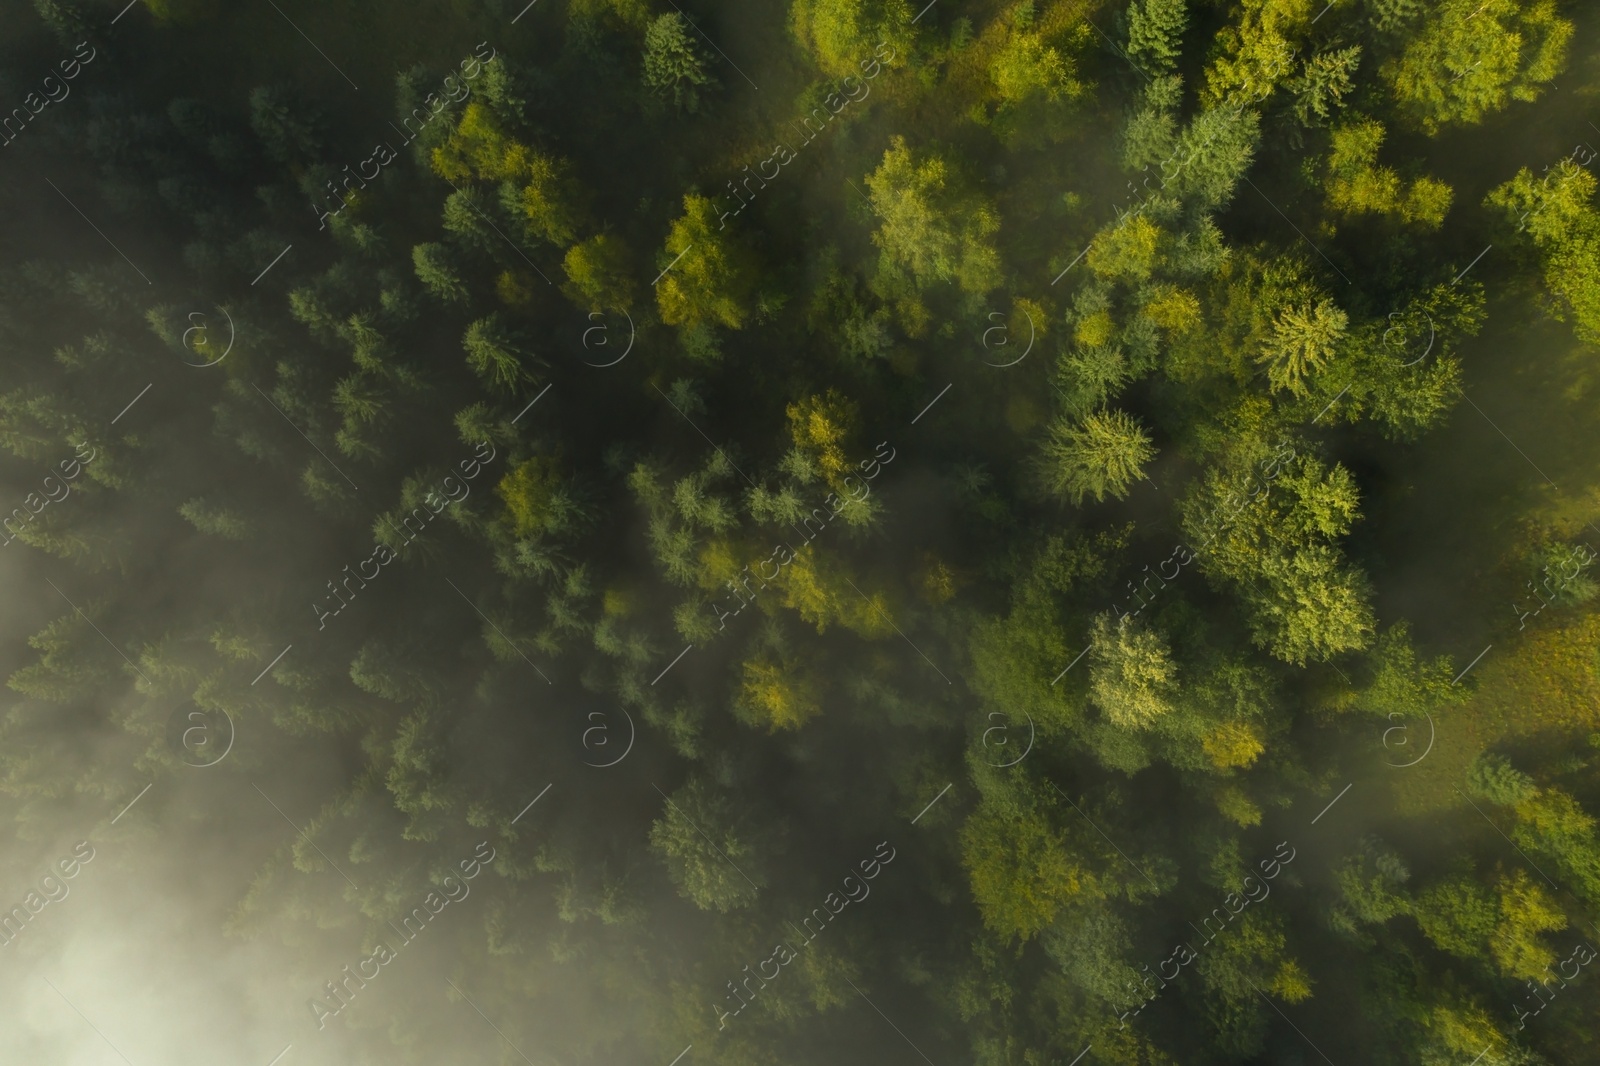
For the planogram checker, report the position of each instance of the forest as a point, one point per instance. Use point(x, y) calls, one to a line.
point(399, 414)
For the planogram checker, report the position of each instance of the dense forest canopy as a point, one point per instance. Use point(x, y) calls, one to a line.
point(1000, 531)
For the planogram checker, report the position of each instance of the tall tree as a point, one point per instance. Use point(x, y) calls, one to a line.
point(674, 63)
point(1103, 455)
point(1470, 59)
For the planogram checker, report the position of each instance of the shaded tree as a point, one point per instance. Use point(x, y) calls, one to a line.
point(599, 273)
point(496, 353)
point(291, 131)
point(931, 227)
point(674, 63)
point(708, 852)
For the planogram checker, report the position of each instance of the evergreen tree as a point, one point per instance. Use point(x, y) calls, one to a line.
point(844, 36)
point(1471, 59)
point(709, 856)
point(497, 354)
point(291, 131)
point(674, 64)
point(708, 277)
point(1304, 340)
point(439, 273)
point(1155, 33)
point(598, 273)
point(931, 228)
point(1101, 456)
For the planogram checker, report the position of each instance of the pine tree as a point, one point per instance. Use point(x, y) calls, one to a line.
point(1103, 455)
point(496, 353)
point(674, 64)
point(290, 130)
point(439, 272)
point(1304, 340)
point(707, 850)
point(1155, 33)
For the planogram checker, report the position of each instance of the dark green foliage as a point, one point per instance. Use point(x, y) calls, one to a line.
point(438, 271)
point(714, 865)
point(674, 63)
point(497, 353)
point(289, 129)
point(1155, 33)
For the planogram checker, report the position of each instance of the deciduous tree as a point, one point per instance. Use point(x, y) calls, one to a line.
point(1470, 59)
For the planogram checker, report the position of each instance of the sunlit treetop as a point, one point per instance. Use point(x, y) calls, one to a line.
point(1470, 58)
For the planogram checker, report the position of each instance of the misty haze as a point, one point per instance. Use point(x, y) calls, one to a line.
point(800, 532)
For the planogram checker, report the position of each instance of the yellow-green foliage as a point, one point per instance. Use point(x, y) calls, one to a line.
point(1357, 185)
point(776, 695)
point(1253, 950)
point(598, 275)
point(818, 425)
point(181, 11)
point(529, 491)
point(1101, 455)
point(1557, 213)
point(1020, 867)
point(479, 148)
point(1126, 251)
point(1526, 910)
point(1304, 599)
point(929, 226)
point(1233, 745)
point(1131, 674)
point(1473, 57)
point(712, 279)
point(1256, 55)
point(821, 592)
point(1031, 63)
point(1304, 339)
point(842, 34)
